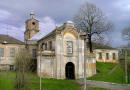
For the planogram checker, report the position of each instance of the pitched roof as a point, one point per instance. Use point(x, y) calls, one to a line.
point(9, 40)
point(101, 46)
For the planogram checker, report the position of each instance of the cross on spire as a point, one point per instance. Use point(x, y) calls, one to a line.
point(32, 14)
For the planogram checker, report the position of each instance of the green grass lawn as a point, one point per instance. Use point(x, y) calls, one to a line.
point(7, 83)
point(107, 73)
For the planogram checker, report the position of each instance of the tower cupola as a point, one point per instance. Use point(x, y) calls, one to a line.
point(31, 26)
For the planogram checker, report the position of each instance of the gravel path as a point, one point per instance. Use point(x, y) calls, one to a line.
point(109, 86)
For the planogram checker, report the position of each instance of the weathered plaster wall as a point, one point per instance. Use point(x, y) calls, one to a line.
point(104, 51)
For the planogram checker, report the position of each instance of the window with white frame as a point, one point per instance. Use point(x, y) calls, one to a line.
point(69, 47)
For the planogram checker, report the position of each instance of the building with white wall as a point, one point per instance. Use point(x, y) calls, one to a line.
point(105, 53)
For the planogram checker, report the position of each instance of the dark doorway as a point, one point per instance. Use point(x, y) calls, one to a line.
point(70, 71)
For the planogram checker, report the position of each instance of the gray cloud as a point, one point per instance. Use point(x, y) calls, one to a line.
point(14, 12)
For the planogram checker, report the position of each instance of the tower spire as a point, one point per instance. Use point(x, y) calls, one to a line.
point(32, 14)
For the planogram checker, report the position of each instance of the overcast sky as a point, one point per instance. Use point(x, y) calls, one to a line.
point(50, 13)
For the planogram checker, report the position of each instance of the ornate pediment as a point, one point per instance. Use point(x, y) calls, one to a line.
point(71, 30)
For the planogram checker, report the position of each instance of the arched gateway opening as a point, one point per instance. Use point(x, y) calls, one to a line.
point(70, 71)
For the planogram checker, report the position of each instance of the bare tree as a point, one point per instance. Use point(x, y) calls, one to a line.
point(22, 64)
point(90, 19)
point(126, 33)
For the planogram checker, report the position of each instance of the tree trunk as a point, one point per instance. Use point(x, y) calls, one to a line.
point(90, 44)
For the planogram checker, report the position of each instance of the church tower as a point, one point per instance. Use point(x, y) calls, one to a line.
point(32, 27)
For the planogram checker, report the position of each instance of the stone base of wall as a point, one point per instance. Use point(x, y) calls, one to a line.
point(90, 64)
point(4, 67)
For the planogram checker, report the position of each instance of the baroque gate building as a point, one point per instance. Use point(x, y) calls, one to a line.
point(60, 53)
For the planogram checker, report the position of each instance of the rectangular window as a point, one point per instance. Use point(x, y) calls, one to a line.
point(69, 47)
point(1, 52)
point(42, 46)
point(107, 56)
point(100, 55)
point(12, 52)
point(114, 56)
point(50, 45)
point(45, 46)
point(34, 53)
point(53, 45)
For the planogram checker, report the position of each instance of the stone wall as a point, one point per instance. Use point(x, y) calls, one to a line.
point(47, 66)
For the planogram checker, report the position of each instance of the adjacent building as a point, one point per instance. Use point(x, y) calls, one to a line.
point(105, 53)
point(9, 46)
